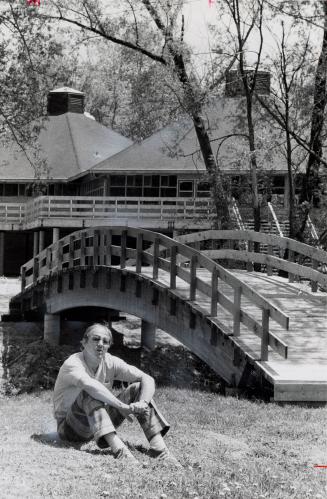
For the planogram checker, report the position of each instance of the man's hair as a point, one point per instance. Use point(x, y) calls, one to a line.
point(90, 330)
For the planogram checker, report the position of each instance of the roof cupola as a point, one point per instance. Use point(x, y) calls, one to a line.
point(65, 100)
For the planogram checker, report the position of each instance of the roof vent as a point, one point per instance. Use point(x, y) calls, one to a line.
point(65, 100)
point(234, 84)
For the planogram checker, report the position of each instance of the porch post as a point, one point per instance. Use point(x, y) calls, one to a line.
point(52, 328)
point(41, 240)
point(148, 335)
point(286, 191)
point(55, 234)
point(2, 252)
point(35, 243)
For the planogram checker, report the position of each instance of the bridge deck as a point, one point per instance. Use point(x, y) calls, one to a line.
point(303, 376)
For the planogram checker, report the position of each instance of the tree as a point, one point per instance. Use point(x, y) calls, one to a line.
point(244, 26)
point(288, 101)
point(311, 178)
point(30, 58)
point(311, 14)
point(127, 92)
point(165, 47)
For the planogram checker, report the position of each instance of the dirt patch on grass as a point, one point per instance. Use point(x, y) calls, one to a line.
point(31, 365)
point(236, 448)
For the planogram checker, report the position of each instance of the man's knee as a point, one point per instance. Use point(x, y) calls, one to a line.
point(134, 391)
point(87, 403)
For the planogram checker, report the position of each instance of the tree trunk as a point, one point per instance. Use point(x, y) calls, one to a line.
point(291, 200)
point(218, 192)
point(216, 178)
point(253, 163)
point(310, 180)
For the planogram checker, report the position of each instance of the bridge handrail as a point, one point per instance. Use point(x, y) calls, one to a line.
point(318, 256)
point(102, 249)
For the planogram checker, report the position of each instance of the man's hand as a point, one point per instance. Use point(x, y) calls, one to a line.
point(126, 412)
point(140, 408)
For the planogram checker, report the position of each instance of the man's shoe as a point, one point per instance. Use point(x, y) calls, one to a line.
point(165, 457)
point(125, 454)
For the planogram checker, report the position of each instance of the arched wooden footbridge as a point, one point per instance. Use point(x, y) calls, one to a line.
point(237, 321)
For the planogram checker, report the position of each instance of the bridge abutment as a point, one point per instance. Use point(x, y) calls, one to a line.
point(148, 335)
point(52, 328)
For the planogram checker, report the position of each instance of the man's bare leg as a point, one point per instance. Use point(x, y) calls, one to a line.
point(118, 447)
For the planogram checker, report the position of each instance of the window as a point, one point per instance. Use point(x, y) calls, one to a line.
point(278, 184)
point(134, 191)
point(203, 190)
point(185, 188)
point(118, 180)
point(117, 191)
point(22, 189)
point(143, 185)
point(10, 189)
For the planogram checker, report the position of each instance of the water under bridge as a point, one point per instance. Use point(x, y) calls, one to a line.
point(240, 320)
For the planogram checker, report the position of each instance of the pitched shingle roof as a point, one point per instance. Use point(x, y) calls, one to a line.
point(70, 143)
point(170, 149)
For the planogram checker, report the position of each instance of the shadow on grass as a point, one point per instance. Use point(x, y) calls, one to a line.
point(96, 452)
point(52, 439)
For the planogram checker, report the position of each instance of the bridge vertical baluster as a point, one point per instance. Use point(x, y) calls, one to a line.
point(83, 249)
point(108, 247)
point(249, 264)
point(35, 269)
point(270, 253)
point(214, 292)
point(265, 334)
point(60, 255)
point(123, 243)
point(237, 311)
point(23, 274)
point(96, 236)
point(139, 251)
point(71, 252)
point(193, 265)
point(173, 267)
point(290, 259)
point(197, 245)
point(314, 284)
point(156, 258)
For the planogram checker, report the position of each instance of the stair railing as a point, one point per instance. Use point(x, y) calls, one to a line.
point(272, 211)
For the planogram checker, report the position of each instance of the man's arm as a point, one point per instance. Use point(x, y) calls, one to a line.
point(131, 374)
point(99, 392)
point(147, 387)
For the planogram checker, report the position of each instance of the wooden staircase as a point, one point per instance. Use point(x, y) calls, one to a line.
point(274, 221)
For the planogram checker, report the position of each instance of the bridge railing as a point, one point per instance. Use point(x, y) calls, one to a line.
point(303, 261)
point(113, 247)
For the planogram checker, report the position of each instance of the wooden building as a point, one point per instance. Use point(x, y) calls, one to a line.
point(89, 175)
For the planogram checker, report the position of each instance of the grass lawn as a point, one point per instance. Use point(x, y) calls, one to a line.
point(228, 448)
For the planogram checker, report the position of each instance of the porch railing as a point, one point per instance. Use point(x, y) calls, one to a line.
point(12, 212)
point(120, 207)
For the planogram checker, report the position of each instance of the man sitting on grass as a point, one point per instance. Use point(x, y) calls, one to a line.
point(86, 408)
